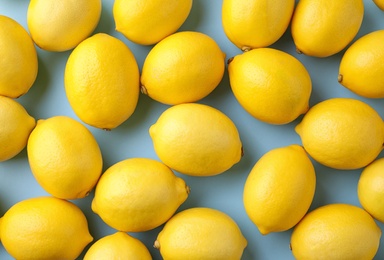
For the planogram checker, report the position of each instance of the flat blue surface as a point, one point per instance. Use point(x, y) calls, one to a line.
point(224, 192)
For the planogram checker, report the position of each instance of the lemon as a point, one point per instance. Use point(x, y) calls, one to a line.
point(361, 66)
point(323, 28)
point(379, 3)
point(18, 63)
point(342, 133)
point(196, 139)
point(102, 81)
point(15, 127)
point(271, 85)
point(61, 25)
point(336, 231)
point(138, 194)
point(119, 245)
point(253, 24)
point(148, 22)
point(201, 233)
point(44, 228)
point(279, 189)
point(64, 157)
point(183, 67)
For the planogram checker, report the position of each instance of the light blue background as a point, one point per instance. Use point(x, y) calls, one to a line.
point(224, 192)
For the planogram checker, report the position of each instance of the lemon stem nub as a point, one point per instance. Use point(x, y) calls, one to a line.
point(340, 78)
point(230, 60)
point(156, 245)
point(298, 51)
point(143, 90)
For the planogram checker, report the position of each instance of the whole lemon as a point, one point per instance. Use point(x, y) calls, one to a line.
point(64, 157)
point(342, 133)
point(201, 233)
point(138, 194)
point(18, 63)
point(148, 22)
point(44, 228)
point(361, 67)
point(334, 232)
point(271, 85)
point(253, 24)
point(183, 67)
point(101, 81)
point(196, 139)
point(62, 24)
point(322, 28)
point(16, 126)
point(379, 3)
point(279, 189)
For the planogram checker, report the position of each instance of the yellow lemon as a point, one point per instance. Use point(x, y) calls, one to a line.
point(44, 228)
point(256, 23)
point(148, 22)
point(15, 127)
point(62, 24)
point(279, 189)
point(334, 232)
point(271, 85)
point(64, 157)
point(322, 28)
point(18, 63)
point(138, 194)
point(183, 67)
point(102, 81)
point(196, 139)
point(361, 68)
point(119, 245)
point(201, 233)
point(342, 133)
point(379, 3)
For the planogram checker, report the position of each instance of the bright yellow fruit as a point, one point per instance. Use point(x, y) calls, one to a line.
point(334, 232)
point(322, 28)
point(44, 228)
point(183, 67)
point(196, 139)
point(62, 24)
point(102, 81)
point(138, 194)
point(148, 22)
point(117, 246)
point(18, 63)
point(379, 3)
point(199, 234)
point(279, 189)
point(271, 85)
point(253, 24)
point(64, 157)
point(342, 133)
point(361, 67)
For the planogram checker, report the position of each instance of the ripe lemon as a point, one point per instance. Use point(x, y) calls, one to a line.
point(196, 139)
point(322, 28)
point(148, 22)
point(279, 189)
point(253, 24)
point(44, 228)
point(18, 63)
point(379, 3)
point(62, 24)
point(342, 133)
point(138, 194)
point(334, 232)
point(271, 85)
point(15, 127)
point(64, 157)
point(361, 67)
point(183, 67)
point(119, 245)
point(201, 233)
point(102, 81)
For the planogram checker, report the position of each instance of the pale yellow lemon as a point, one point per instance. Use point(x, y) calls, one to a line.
point(334, 232)
point(271, 85)
point(379, 3)
point(64, 157)
point(201, 233)
point(101, 81)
